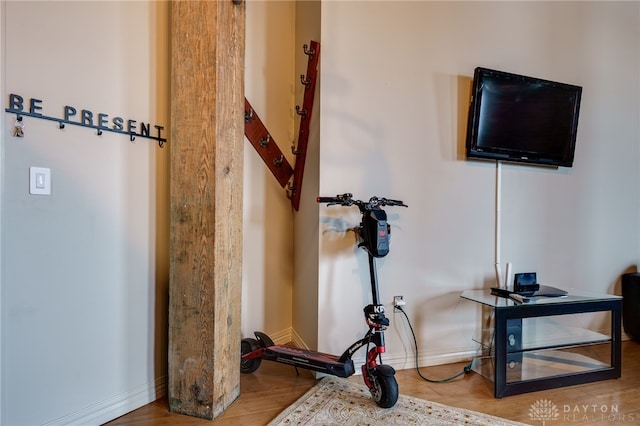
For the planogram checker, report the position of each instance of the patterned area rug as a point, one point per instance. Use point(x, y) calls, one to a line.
point(335, 401)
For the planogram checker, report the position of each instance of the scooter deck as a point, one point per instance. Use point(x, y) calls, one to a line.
point(310, 360)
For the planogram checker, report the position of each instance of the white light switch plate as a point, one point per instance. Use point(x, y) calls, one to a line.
point(39, 181)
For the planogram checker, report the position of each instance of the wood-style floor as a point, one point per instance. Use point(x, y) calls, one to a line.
point(268, 391)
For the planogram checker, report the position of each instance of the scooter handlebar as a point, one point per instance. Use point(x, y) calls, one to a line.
point(342, 199)
point(347, 200)
point(389, 202)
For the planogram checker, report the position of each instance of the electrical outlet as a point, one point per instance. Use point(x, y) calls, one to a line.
point(398, 301)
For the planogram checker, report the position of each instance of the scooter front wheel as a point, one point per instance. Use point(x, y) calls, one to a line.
point(384, 390)
point(247, 345)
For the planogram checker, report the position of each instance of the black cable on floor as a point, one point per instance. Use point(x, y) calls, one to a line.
point(466, 370)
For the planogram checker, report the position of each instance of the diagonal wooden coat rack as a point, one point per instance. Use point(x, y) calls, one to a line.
point(260, 138)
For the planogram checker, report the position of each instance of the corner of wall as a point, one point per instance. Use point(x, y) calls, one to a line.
point(306, 251)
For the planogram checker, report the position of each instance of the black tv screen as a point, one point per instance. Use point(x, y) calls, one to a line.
point(522, 119)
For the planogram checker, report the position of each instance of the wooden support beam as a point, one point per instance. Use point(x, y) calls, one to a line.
point(206, 148)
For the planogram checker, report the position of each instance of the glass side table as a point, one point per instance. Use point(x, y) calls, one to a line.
point(549, 342)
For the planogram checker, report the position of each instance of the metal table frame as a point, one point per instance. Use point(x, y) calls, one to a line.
point(506, 309)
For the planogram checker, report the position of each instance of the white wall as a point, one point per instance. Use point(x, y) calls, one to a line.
point(305, 255)
point(2, 90)
point(84, 270)
point(280, 261)
point(396, 81)
point(270, 83)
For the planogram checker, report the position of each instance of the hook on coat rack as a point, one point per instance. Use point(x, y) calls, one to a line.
point(308, 51)
point(291, 190)
point(305, 82)
point(248, 115)
point(264, 141)
point(301, 111)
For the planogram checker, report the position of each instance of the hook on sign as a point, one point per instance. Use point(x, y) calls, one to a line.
point(18, 128)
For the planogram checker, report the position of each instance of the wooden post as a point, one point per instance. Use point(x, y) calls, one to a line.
point(206, 145)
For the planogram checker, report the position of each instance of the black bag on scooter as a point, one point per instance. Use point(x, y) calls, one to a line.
point(375, 233)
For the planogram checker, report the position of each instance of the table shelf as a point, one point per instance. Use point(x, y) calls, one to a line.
point(550, 337)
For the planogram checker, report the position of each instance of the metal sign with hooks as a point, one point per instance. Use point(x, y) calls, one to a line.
point(100, 122)
point(266, 147)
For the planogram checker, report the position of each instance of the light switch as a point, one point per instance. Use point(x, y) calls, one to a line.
point(39, 181)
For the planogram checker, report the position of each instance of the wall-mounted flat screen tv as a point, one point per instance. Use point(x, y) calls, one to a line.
point(522, 119)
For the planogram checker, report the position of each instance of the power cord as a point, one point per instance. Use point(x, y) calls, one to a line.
point(466, 369)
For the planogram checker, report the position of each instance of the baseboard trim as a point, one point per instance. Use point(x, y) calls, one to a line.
point(116, 406)
point(407, 361)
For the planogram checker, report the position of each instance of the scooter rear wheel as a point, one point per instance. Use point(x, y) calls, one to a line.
point(247, 345)
point(385, 389)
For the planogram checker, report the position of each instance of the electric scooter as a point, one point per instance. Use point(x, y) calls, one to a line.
point(373, 233)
